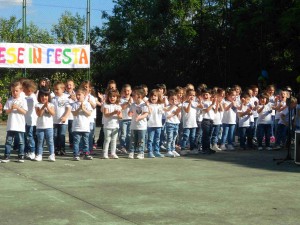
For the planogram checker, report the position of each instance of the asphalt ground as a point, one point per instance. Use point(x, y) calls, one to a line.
point(240, 187)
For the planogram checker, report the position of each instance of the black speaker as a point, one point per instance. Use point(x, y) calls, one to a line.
point(297, 147)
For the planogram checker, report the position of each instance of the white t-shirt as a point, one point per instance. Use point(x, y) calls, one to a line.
point(272, 101)
point(218, 118)
point(252, 101)
point(71, 102)
point(126, 110)
point(285, 112)
point(16, 120)
point(210, 115)
point(244, 121)
point(111, 122)
point(81, 122)
point(94, 112)
point(277, 114)
point(61, 104)
point(175, 119)
point(46, 120)
point(155, 117)
point(189, 120)
point(229, 116)
point(265, 116)
point(138, 109)
point(30, 116)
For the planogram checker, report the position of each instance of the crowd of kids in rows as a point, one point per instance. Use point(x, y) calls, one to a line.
point(183, 120)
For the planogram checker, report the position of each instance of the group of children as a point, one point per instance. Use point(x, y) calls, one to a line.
point(183, 120)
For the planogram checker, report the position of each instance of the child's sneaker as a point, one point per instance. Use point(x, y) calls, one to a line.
point(194, 152)
point(276, 147)
point(31, 155)
point(123, 150)
point(5, 159)
point(140, 156)
point(94, 147)
point(21, 158)
point(175, 154)
point(38, 158)
point(158, 155)
point(76, 158)
point(62, 151)
point(151, 155)
point(269, 148)
point(223, 148)
point(169, 154)
point(87, 157)
point(131, 155)
point(114, 156)
point(260, 148)
point(230, 148)
point(51, 158)
point(272, 139)
point(215, 147)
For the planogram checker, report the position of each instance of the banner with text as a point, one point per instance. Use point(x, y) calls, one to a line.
point(20, 55)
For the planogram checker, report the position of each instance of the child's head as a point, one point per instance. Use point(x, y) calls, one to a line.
point(126, 90)
point(44, 83)
point(249, 91)
point(190, 94)
point(245, 98)
point(180, 92)
point(155, 97)
point(230, 94)
point(87, 85)
point(254, 90)
point(29, 87)
point(270, 89)
point(190, 86)
point(111, 85)
point(16, 89)
point(263, 99)
point(172, 97)
point(162, 88)
point(283, 95)
point(202, 86)
point(59, 88)
point(138, 94)
point(238, 89)
point(70, 86)
point(113, 97)
point(145, 87)
point(293, 103)
point(206, 94)
point(44, 95)
point(80, 94)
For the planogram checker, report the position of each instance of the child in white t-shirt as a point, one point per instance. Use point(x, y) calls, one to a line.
point(29, 88)
point(139, 112)
point(112, 112)
point(16, 108)
point(125, 102)
point(173, 116)
point(156, 110)
point(81, 111)
point(264, 121)
point(44, 125)
point(217, 121)
point(60, 119)
point(70, 92)
point(244, 114)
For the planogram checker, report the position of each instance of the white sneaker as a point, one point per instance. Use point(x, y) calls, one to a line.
point(114, 156)
point(131, 155)
point(269, 148)
point(175, 154)
point(230, 148)
point(260, 148)
point(38, 158)
point(140, 156)
point(215, 147)
point(169, 154)
point(194, 152)
point(183, 152)
point(31, 155)
point(76, 158)
point(162, 147)
point(51, 158)
point(223, 148)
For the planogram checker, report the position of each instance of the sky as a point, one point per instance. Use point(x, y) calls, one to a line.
point(45, 13)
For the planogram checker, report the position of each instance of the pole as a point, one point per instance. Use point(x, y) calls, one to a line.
point(88, 28)
point(24, 25)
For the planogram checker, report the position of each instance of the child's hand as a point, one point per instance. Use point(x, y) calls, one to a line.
point(82, 106)
point(137, 119)
point(63, 119)
point(15, 106)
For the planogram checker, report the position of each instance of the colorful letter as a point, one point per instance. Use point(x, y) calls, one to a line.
point(2, 55)
point(49, 54)
point(12, 53)
point(83, 57)
point(67, 59)
point(57, 56)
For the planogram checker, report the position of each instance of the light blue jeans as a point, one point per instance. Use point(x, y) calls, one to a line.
point(153, 139)
point(10, 135)
point(60, 135)
point(188, 134)
point(46, 134)
point(82, 139)
point(137, 140)
point(227, 134)
point(29, 139)
point(125, 133)
point(172, 133)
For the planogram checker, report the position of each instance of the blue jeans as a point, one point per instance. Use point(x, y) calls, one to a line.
point(264, 130)
point(281, 134)
point(172, 133)
point(206, 126)
point(228, 133)
point(10, 135)
point(199, 135)
point(46, 134)
point(243, 133)
point(70, 123)
point(30, 139)
point(81, 138)
point(60, 135)
point(125, 133)
point(255, 127)
point(215, 134)
point(153, 139)
point(137, 141)
point(188, 134)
